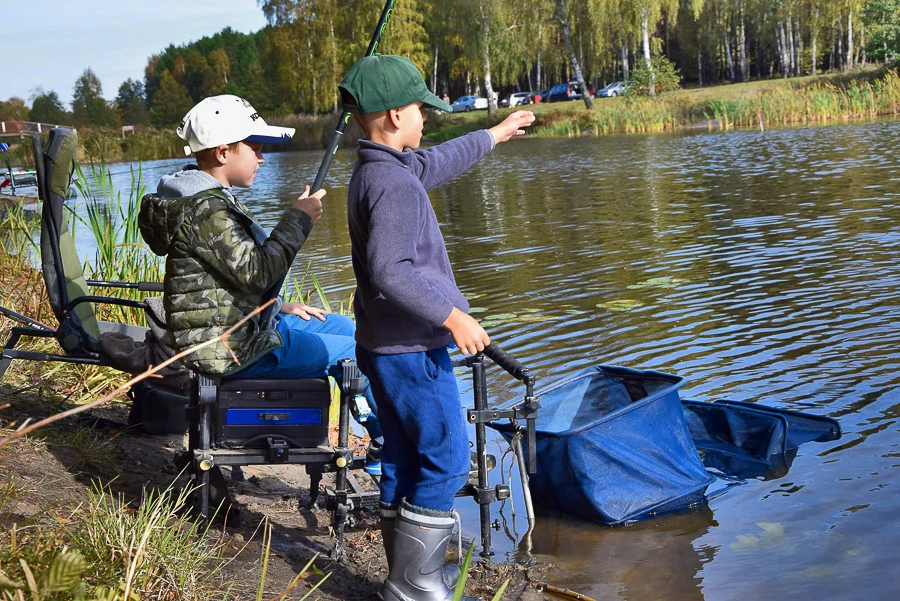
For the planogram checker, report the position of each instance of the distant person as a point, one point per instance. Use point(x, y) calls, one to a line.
point(446, 98)
point(221, 264)
point(408, 311)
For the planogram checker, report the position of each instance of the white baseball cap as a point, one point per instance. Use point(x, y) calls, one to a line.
point(227, 119)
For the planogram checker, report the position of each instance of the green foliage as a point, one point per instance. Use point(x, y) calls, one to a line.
point(131, 103)
point(13, 109)
point(663, 75)
point(88, 105)
point(46, 107)
point(882, 19)
point(170, 103)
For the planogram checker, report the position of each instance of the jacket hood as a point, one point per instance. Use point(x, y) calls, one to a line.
point(162, 213)
point(187, 182)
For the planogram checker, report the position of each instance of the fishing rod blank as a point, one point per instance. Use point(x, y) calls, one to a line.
point(338, 133)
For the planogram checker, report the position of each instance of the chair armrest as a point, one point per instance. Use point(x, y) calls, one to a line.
point(105, 300)
point(142, 286)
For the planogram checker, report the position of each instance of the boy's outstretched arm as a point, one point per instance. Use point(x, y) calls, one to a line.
point(444, 162)
point(225, 245)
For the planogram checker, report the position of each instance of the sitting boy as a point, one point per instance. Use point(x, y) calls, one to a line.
point(221, 264)
point(408, 309)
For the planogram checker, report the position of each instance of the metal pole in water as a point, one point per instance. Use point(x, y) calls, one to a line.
point(523, 473)
point(526, 492)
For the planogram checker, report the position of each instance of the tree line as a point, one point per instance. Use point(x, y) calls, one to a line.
point(293, 65)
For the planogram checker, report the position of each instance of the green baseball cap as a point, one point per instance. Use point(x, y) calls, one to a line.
point(384, 81)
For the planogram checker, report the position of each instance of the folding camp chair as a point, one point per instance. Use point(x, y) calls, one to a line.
point(79, 328)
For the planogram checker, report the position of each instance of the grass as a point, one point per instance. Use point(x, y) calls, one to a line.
point(111, 550)
point(105, 549)
point(861, 94)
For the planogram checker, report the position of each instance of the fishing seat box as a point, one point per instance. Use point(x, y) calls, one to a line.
point(249, 412)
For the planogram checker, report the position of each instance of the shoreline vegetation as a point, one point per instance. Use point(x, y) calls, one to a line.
point(842, 97)
point(865, 94)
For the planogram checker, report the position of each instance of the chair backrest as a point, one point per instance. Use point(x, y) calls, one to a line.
point(63, 273)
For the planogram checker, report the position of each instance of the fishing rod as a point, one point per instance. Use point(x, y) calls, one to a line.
point(338, 133)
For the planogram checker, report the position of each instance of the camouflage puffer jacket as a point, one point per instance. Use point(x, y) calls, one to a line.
point(218, 271)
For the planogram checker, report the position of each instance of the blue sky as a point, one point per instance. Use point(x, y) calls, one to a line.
point(56, 40)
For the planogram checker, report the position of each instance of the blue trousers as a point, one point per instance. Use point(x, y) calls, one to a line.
point(312, 349)
point(425, 457)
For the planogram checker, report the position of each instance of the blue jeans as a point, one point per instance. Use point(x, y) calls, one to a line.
point(312, 349)
point(425, 457)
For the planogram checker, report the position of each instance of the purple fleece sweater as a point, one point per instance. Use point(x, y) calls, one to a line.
point(405, 289)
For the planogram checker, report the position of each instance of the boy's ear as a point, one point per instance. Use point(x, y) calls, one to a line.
point(393, 117)
point(221, 154)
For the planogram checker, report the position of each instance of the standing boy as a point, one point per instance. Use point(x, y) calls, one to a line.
point(408, 311)
point(221, 264)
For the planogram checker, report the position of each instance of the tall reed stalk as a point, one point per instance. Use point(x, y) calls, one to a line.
point(112, 220)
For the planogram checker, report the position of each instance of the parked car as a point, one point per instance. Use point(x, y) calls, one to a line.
point(564, 91)
point(516, 99)
point(616, 88)
point(464, 104)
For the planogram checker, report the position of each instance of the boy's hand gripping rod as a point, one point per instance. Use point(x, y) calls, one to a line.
point(338, 133)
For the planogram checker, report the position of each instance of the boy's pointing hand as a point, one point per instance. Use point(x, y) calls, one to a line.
point(512, 126)
point(311, 205)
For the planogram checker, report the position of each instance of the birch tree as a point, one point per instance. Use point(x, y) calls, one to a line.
point(562, 16)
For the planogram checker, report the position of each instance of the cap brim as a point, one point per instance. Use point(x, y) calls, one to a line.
point(271, 134)
point(436, 103)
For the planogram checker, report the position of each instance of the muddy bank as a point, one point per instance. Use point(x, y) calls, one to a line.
point(59, 465)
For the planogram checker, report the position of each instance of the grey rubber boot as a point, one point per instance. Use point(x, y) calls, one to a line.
point(419, 549)
point(388, 519)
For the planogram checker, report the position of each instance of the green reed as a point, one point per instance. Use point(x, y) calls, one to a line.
point(819, 102)
point(112, 220)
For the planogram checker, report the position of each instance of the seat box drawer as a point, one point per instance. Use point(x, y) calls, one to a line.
point(249, 411)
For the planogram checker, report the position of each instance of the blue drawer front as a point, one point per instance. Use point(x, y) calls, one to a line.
point(273, 417)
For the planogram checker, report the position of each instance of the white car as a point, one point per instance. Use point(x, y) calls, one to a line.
point(464, 104)
point(517, 99)
point(616, 88)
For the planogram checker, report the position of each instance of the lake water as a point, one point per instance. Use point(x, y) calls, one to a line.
point(761, 266)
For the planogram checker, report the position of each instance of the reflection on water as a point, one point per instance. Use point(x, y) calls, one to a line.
point(650, 560)
point(761, 266)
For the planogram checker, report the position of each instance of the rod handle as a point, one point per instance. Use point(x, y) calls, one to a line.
point(509, 363)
